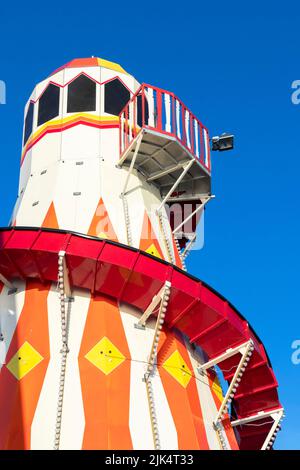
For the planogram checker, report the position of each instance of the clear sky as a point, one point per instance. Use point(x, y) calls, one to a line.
point(233, 64)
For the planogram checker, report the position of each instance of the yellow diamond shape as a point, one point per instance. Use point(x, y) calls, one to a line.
point(105, 356)
point(25, 359)
point(152, 250)
point(177, 367)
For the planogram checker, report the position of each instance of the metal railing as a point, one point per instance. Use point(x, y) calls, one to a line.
point(161, 111)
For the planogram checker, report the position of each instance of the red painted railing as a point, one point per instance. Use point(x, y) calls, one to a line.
point(161, 111)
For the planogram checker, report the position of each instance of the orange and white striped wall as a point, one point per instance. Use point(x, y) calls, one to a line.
point(105, 398)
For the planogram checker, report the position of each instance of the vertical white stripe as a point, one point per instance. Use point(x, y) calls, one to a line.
point(196, 130)
point(178, 119)
point(150, 99)
point(122, 133)
point(43, 425)
point(139, 343)
point(187, 128)
point(10, 310)
point(130, 119)
point(207, 403)
point(206, 143)
point(73, 419)
point(167, 101)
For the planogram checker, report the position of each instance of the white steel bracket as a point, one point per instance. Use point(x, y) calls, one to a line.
point(188, 247)
point(152, 306)
point(6, 282)
point(245, 350)
point(136, 151)
point(164, 299)
point(157, 330)
point(65, 271)
point(186, 169)
point(193, 213)
point(276, 415)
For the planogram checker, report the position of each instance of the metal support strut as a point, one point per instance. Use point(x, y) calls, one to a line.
point(188, 247)
point(181, 255)
point(166, 238)
point(64, 291)
point(246, 350)
point(155, 301)
point(193, 213)
point(276, 415)
point(124, 192)
point(6, 282)
point(164, 299)
point(270, 439)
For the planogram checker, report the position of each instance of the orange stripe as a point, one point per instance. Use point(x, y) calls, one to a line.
point(50, 221)
point(183, 402)
point(226, 422)
point(148, 236)
point(105, 397)
point(101, 223)
point(19, 398)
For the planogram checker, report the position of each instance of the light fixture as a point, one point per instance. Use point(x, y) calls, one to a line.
point(222, 142)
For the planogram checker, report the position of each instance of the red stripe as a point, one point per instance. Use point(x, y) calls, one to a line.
point(68, 126)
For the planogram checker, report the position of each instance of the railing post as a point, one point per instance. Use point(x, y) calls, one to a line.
point(173, 130)
point(196, 132)
point(159, 109)
point(201, 144)
point(207, 149)
point(121, 134)
point(151, 107)
point(134, 117)
point(192, 133)
point(167, 101)
point(183, 124)
point(143, 105)
point(178, 133)
point(130, 135)
point(187, 128)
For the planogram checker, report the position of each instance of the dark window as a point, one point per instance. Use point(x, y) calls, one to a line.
point(140, 111)
point(28, 123)
point(48, 104)
point(82, 95)
point(116, 96)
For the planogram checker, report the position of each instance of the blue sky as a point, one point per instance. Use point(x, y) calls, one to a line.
point(233, 65)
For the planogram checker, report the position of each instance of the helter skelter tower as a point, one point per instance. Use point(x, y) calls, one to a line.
point(106, 342)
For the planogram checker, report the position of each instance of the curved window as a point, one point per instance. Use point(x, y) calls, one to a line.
point(28, 123)
point(116, 96)
point(48, 104)
point(81, 95)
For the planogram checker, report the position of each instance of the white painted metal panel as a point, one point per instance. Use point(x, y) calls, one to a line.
point(73, 419)
point(10, 310)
